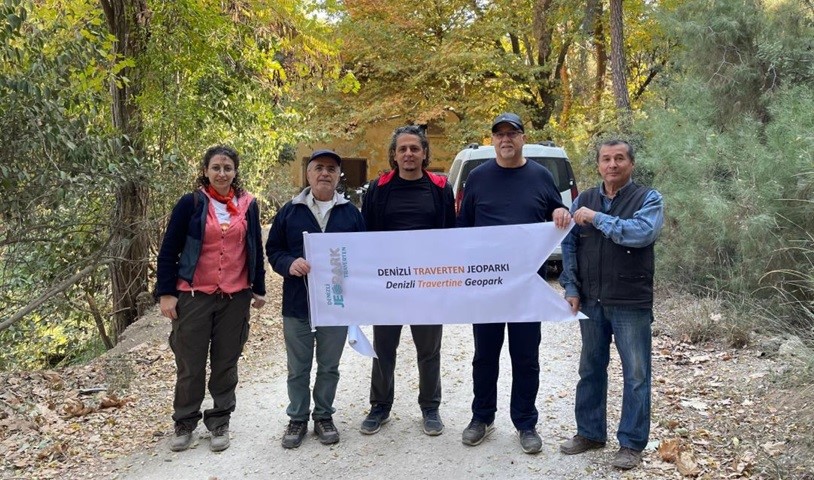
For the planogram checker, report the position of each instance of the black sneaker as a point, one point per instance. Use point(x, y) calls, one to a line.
point(530, 441)
point(182, 439)
point(294, 433)
point(219, 438)
point(325, 428)
point(377, 417)
point(432, 424)
point(475, 432)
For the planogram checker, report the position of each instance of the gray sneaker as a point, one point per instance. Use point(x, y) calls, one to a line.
point(325, 428)
point(626, 458)
point(432, 424)
point(475, 432)
point(219, 438)
point(530, 441)
point(182, 439)
point(294, 433)
point(580, 444)
point(377, 417)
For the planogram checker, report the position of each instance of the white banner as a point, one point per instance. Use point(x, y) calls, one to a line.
point(456, 275)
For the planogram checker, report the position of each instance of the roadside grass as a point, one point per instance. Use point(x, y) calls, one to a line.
point(713, 318)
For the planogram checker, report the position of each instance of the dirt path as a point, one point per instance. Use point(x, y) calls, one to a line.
point(727, 411)
point(400, 450)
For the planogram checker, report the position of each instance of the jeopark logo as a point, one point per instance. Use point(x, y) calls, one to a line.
point(339, 271)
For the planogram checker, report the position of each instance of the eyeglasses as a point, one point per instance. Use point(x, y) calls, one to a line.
point(332, 169)
point(511, 134)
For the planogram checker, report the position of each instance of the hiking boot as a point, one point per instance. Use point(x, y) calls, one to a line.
point(626, 458)
point(294, 433)
point(182, 439)
point(219, 438)
point(530, 441)
point(325, 428)
point(579, 444)
point(475, 432)
point(377, 417)
point(432, 424)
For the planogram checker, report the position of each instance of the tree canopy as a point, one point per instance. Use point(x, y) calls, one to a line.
point(99, 141)
point(106, 107)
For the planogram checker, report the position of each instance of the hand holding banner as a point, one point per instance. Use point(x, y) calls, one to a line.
point(459, 275)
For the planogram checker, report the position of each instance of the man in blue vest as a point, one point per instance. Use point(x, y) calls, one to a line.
point(608, 266)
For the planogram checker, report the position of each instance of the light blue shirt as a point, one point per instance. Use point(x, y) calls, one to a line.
point(639, 231)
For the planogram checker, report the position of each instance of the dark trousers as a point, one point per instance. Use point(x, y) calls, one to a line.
point(427, 339)
point(214, 325)
point(524, 349)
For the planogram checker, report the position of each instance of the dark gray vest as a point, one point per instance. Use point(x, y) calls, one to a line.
point(611, 273)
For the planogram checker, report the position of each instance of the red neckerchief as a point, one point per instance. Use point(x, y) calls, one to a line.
point(227, 199)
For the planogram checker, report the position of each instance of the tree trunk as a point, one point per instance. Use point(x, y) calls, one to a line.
point(543, 90)
point(565, 82)
point(601, 57)
point(618, 65)
point(128, 21)
point(130, 252)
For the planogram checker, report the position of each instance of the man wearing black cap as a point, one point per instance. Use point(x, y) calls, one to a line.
point(506, 191)
point(407, 198)
point(318, 208)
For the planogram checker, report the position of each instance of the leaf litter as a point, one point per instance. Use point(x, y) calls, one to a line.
point(717, 412)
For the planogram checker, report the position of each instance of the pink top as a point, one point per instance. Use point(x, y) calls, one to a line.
point(223, 265)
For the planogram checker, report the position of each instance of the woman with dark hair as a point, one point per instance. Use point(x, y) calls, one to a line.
point(210, 268)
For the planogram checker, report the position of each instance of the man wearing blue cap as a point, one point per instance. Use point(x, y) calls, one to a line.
point(318, 208)
point(508, 190)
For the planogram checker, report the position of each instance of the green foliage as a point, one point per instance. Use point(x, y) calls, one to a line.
point(211, 72)
point(732, 153)
point(58, 166)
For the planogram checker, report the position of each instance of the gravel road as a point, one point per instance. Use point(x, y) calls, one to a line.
point(400, 450)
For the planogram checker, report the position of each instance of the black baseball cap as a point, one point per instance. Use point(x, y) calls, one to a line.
point(326, 153)
point(511, 118)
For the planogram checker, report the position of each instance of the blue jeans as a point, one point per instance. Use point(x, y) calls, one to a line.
point(299, 346)
point(630, 327)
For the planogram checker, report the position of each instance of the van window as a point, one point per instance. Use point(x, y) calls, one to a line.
point(468, 167)
point(558, 169)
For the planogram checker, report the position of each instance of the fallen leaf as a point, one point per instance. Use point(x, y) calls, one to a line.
point(696, 404)
point(686, 464)
point(111, 401)
point(669, 449)
point(75, 408)
point(774, 449)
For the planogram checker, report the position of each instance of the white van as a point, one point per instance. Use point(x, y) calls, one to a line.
point(545, 153)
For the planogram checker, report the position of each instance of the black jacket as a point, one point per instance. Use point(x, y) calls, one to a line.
point(285, 244)
point(378, 192)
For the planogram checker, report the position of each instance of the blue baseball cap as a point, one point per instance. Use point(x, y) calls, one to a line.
point(326, 153)
point(511, 118)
